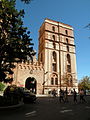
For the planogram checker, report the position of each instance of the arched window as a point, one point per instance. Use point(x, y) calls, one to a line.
point(56, 81)
point(52, 81)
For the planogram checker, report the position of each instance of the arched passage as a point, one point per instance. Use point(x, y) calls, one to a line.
point(30, 84)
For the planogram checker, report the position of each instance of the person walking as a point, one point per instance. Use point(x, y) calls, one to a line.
point(66, 95)
point(75, 96)
point(81, 93)
point(54, 93)
point(61, 96)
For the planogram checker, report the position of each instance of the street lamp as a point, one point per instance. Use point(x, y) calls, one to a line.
point(44, 80)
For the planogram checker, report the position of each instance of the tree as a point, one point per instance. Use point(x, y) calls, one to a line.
point(84, 83)
point(26, 1)
point(15, 41)
point(2, 86)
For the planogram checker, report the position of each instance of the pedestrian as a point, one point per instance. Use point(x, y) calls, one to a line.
point(75, 96)
point(54, 93)
point(81, 93)
point(61, 96)
point(66, 95)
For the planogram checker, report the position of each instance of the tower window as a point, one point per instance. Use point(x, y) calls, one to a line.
point(54, 45)
point(54, 56)
point(69, 63)
point(67, 40)
point(53, 37)
point(68, 48)
point(66, 32)
point(54, 60)
point(68, 58)
point(53, 28)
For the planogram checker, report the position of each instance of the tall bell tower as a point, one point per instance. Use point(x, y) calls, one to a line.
point(57, 54)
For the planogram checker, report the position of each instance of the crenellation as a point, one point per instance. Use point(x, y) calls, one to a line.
point(20, 67)
point(24, 67)
point(28, 67)
point(35, 65)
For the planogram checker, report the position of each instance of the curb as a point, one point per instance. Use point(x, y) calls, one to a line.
point(40, 95)
point(13, 106)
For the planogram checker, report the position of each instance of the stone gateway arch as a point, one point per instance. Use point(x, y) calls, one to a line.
point(24, 71)
point(31, 84)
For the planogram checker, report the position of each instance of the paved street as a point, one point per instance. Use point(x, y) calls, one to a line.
point(48, 108)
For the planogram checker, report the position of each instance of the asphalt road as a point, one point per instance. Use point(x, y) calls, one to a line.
point(48, 108)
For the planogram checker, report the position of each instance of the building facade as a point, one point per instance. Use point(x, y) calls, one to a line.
point(56, 65)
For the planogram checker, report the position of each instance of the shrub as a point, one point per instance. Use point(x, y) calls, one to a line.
point(2, 86)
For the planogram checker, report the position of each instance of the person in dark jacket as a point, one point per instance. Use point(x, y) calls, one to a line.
point(75, 96)
point(61, 97)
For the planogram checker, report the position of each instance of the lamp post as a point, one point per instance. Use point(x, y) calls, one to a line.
point(44, 80)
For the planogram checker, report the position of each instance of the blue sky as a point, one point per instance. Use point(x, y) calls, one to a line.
point(73, 12)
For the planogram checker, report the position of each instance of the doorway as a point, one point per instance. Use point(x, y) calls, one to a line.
point(30, 84)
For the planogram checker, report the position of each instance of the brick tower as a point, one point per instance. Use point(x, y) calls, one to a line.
point(57, 54)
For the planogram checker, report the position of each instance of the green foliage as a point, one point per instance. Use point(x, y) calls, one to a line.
point(84, 83)
point(2, 86)
point(26, 1)
point(15, 41)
